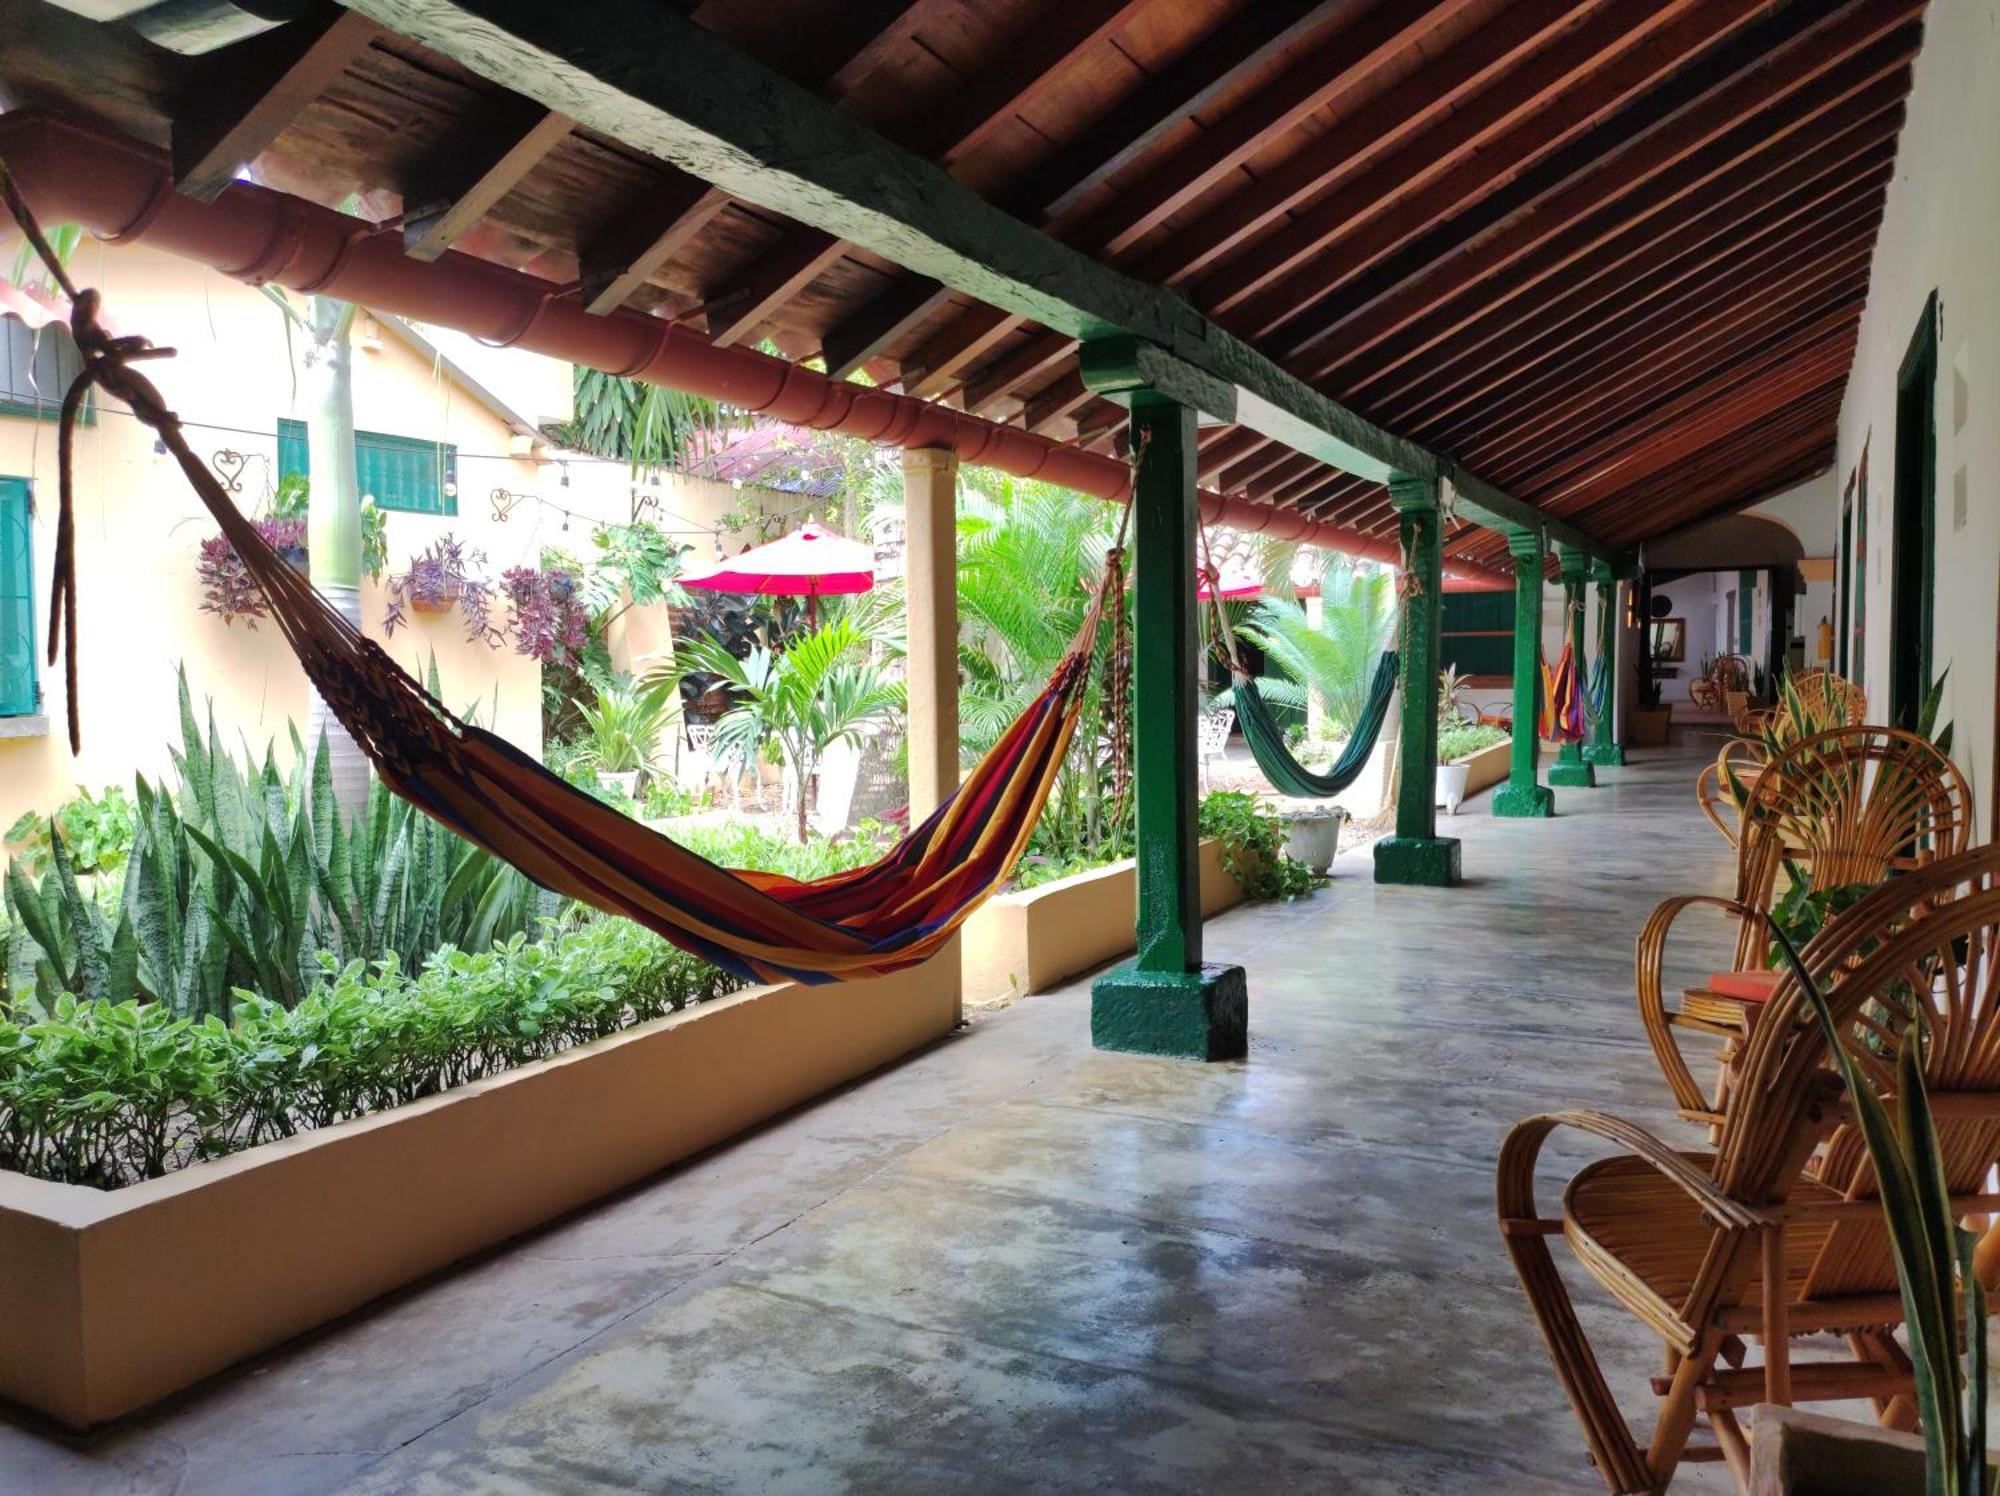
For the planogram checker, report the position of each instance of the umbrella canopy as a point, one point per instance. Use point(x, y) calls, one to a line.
point(812, 561)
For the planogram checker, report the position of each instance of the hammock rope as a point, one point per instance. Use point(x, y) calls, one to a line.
point(1261, 732)
point(891, 914)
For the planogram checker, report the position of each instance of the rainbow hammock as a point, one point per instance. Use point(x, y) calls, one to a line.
point(1562, 700)
point(891, 914)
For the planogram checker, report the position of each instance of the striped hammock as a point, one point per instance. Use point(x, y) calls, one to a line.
point(880, 918)
point(1562, 700)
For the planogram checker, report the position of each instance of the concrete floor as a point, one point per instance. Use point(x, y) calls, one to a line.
point(1016, 1264)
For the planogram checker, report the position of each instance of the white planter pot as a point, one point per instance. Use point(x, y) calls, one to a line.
point(625, 781)
point(1451, 786)
point(1313, 836)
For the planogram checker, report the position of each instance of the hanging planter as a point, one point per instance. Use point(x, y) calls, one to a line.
point(442, 577)
point(226, 587)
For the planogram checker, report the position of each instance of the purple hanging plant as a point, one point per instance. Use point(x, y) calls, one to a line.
point(226, 586)
point(550, 623)
point(445, 573)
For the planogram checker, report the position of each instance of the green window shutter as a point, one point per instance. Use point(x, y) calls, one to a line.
point(18, 694)
point(397, 472)
point(1746, 608)
point(1477, 635)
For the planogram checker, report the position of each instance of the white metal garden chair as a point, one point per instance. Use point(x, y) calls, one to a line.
point(703, 763)
point(1212, 738)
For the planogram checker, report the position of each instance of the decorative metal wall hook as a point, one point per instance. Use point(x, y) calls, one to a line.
point(229, 465)
point(505, 503)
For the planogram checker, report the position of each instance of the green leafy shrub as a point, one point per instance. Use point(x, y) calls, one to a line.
point(1253, 848)
point(743, 844)
point(104, 1093)
point(97, 829)
point(1459, 739)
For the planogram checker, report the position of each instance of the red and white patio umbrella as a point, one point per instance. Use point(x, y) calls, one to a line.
point(1236, 583)
point(811, 562)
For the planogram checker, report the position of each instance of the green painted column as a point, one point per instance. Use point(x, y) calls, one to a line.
point(1416, 853)
point(1604, 747)
point(1523, 794)
point(1571, 769)
point(1165, 1000)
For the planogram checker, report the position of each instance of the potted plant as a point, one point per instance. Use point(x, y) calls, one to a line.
point(440, 577)
point(623, 728)
point(1312, 833)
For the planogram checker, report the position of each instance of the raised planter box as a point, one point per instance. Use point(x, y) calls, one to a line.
point(1484, 769)
point(113, 1299)
point(1796, 1452)
point(1030, 941)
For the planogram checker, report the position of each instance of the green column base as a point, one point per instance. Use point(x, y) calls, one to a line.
point(1196, 1015)
point(1572, 773)
point(1428, 861)
point(1612, 754)
point(1524, 801)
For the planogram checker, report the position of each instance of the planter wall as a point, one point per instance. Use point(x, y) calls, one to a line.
point(1030, 941)
point(113, 1299)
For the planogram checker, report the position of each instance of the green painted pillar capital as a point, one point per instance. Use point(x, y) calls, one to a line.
point(1576, 565)
point(1416, 853)
point(1524, 795)
point(1165, 1000)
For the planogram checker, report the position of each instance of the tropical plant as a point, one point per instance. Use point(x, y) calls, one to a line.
point(1253, 848)
point(806, 700)
point(105, 1093)
point(97, 830)
point(1452, 705)
point(1944, 1302)
point(648, 425)
point(1334, 659)
point(623, 727)
point(242, 877)
point(292, 499)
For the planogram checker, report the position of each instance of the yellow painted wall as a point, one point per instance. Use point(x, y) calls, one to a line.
point(139, 527)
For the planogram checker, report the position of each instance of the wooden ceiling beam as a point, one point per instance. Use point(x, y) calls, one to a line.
point(1641, 374)
point(241, 98)
point(1568, 93)
point(1638, 363)
point(1539, 328)
point(684, 95)
point(1236, 442)
point(1320, 78)
point(885, 321)
point(1777, 356)
point(1384, 123)
point(1752, 117)
point(1055, 402)
point(1002, 377)
point(753, 295)
point(459, 191)
point(1259, 474)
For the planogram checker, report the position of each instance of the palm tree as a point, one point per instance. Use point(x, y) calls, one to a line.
point(648, 425)
point(806, 700)
point(1334, 659)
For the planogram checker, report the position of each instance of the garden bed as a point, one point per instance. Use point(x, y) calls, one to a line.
point(114, 1299)
point(1487, 767)
point(1028, 941)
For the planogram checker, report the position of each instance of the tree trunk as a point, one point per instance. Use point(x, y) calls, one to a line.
point(333, 522)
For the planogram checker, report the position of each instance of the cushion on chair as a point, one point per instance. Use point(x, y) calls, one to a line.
point(1744, 986)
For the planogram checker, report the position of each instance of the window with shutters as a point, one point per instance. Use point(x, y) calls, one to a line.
point(19, 695)
point(1478, 633)
point(36, 367)
point(397, 472)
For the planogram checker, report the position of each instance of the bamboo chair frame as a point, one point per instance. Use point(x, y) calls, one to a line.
point(1849, 805)
point(1711, 1250)
point(1815, 700)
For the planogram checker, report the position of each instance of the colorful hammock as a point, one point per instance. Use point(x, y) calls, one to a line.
point(891, 914)
point(1562, 701)
point(1287, 775)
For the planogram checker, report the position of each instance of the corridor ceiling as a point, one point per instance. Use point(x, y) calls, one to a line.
point(1608, 256)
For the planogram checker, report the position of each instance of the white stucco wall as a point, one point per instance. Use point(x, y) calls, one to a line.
point(1941, 232)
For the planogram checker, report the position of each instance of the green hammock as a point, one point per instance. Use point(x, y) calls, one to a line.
point(1287, 774)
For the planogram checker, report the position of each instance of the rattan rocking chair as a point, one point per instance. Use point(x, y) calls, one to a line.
point(1848, 806)
point(1711, 1251)
point(1810, 702)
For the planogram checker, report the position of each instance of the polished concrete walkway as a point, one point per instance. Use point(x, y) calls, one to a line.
point(1014, 1264)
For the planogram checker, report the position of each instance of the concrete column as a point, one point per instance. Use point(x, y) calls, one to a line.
point(1604, 746)
point(1416, 853)
point(1571, 769)
point(1165, 1000)
point(930, 572)
point(1523, 794)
